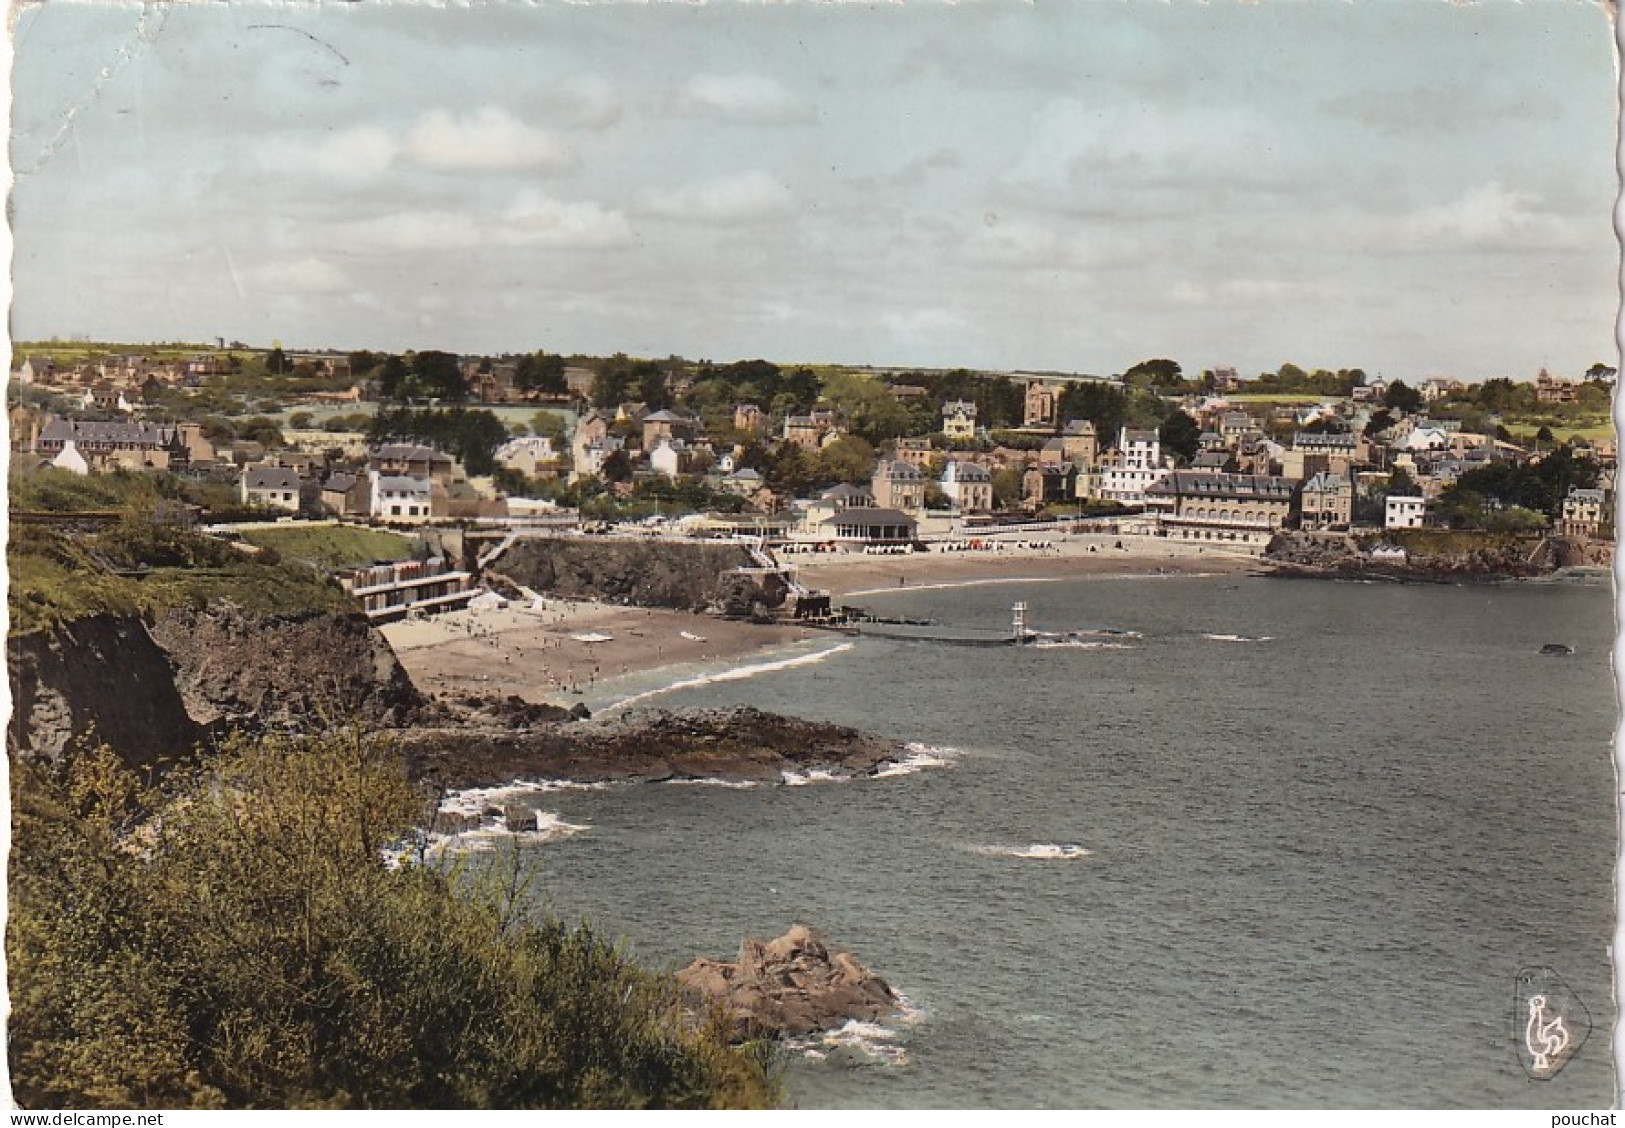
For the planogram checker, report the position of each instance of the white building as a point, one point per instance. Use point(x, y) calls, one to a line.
point(1404, 512)
point(275, 487)
point(528, 455)
point(399, 500)
point(1131, 468)
point(968, 486)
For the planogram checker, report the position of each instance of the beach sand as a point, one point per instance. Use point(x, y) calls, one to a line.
point(546, 655)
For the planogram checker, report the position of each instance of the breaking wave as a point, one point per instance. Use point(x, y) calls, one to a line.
point(918, 757)
point(1041, 851)
point(736, 673)
point(1239, 638)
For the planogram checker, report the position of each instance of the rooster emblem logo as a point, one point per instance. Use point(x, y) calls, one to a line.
point(1544, 1037)
point(1550, 1023)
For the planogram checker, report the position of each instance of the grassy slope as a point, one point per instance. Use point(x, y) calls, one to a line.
point(334, 546)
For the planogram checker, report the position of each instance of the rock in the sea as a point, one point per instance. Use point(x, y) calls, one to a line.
point(789, 986)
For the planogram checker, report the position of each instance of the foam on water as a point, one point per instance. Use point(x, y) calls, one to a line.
point(1040, 851)
point(861, 1043)
point(473, 800)
point(593, 636)
point(736, 673)
point(919, 756)
point(813, 775)
point(1079, 644)
point(1238, 638)
point(550, 827)
point(735, 784)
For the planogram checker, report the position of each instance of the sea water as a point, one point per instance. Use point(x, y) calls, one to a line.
point(1221, 841)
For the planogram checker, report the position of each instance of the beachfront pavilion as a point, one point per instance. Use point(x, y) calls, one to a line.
point(866, 525)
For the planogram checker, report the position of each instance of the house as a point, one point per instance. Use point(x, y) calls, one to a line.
point(578, 381)
point(745, 482)
point(592, 458)
point(671, 457)
point(69, 459)
point(399, 500)
point(1041, 405)
point(272, 487)
point(667, 425)
point(959, 419)
point(1555, 389)
point(1327, 502)
point(748, 417)
point(915, 452)
point(813, 430)
point(347, 495)
point(37, 370)
point(862, 525)
point(1048, 483)
point(1131, 468)
point(1582, 514)
point(1404, 512)
point(899, 485)
point(906, 394)
point(968, 485)
point(1080, 442)
point(412, 460)
point(590, 428)
point(1233, 425)
point(109, 446)
point(1242, 509)
point(1052, 453)
point(1313, 452)
point(530, 455)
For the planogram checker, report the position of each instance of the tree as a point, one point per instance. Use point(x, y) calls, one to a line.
point(301, 420)
point(617, 466)
point(652, 389)
point(1161, 375)
point(439, 376)
point(1102, 404)
point(1180, 434)
point(612, 383)
point(848, 459)
point(276, 361)
point(1544, 437)
point(394, 379)
point(1399, 396)
point(1379, 422)
point(867, 405)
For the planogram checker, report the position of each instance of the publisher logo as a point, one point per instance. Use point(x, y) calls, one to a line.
point(1549, 1022)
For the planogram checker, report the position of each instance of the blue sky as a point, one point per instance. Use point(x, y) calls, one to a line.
point(1417, 188)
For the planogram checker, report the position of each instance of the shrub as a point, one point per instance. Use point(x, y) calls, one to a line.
point(238, 941)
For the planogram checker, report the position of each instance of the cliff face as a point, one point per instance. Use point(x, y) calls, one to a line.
point(100, 673)
point(155, 691)
point(684, 577)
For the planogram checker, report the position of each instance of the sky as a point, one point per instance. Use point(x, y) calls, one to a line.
point(1413, 187)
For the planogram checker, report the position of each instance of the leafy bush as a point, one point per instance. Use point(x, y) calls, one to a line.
point(238, 941)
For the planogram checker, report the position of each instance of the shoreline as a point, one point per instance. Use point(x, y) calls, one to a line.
point(557, 652)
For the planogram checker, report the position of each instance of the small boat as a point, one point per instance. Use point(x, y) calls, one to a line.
point(1556, 648)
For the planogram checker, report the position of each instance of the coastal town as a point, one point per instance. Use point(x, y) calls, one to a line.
point(877, 461)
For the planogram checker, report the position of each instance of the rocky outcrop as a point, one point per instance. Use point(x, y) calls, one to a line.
point(102, 674)
point(681, 576)
point(789, 986)
point(1326, 556)
point(282, 671)
point(741, 744)
point(152, 692)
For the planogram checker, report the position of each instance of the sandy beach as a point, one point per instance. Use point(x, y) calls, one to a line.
point(555, 651)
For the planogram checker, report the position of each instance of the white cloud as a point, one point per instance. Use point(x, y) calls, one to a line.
point(1496, 218)
point(537, 219)
point(748, 98)
point(308, 275)
point(581, 103)
point(359, 153)
point(744, 198)
point(489, 140)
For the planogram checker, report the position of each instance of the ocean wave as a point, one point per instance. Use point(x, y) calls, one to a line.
point(1041, 851)
point(736, 673)
point(1239, 638)
point(917, 757)
point(735, 784)
point(550, 827)
point(593, 636)
point(474, 800)
point(812, 775)
point(904, 589)
point(1078, 644)
point(861, 1043)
